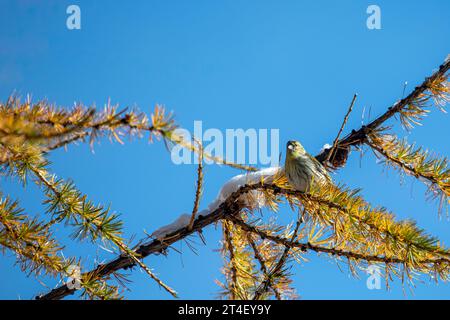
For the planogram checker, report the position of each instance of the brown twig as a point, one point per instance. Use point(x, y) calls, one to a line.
point(198, 191)
point(333, 205)
point(230, 248)
point(147, 270)
point(265, 285)
point(262, 263)
point(124, 122)
point(404, 166)
point(332, 251)
point(344, 122)
point(357, 137)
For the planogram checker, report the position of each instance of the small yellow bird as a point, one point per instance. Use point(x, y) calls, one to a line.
point(302, 169)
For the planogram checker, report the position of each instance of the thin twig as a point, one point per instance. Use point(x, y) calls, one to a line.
point(230, 248)
point(265, 285)
point(124, 122)
point(332, 251)
point(357, 137)
point(262, 263)
point(344, 122)
point(132, 255)
point(198, 191)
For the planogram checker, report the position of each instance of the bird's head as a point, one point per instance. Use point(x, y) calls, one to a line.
point(295, 149)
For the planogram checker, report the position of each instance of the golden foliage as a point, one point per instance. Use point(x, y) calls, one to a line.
point(343, 225)
point(336, 220)
point(414, 161)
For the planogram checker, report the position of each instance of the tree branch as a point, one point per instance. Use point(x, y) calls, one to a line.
point(198, 191)
point(357, 137)
point(277, 269)
point(228, 246)
point(331, 155)
point(262, 264)
point(332, 251)
point(228, 207)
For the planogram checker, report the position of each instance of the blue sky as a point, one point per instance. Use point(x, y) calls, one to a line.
point(289, 65)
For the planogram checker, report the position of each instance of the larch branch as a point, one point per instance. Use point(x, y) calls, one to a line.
point(359, 136)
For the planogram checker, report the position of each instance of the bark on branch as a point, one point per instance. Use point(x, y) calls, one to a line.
point(228, 207)
point(358, 137)
point(232, 206)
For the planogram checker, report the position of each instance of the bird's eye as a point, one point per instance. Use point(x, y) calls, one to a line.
point(290, 147)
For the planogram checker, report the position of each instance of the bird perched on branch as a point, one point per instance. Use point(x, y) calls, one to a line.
point(302, 169)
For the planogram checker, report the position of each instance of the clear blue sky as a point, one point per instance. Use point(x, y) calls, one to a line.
point(292, 65)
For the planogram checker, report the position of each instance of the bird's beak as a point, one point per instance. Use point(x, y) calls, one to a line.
point(290, 145)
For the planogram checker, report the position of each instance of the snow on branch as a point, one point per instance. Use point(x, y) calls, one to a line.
point(255, 199)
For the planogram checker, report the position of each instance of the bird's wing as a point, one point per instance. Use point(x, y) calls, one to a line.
point(319, 167)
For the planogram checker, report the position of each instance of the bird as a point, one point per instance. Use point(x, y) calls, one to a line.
point(302, 169)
